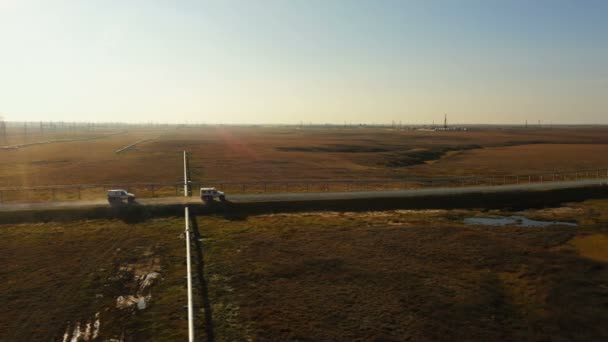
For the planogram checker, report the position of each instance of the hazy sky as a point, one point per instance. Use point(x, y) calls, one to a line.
point(286, 61)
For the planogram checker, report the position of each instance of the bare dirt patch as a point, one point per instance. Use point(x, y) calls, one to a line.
point(594, 246)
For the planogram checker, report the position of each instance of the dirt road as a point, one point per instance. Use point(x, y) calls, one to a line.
point(316, 196)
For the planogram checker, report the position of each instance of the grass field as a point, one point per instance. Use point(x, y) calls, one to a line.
point(527, 159)
point(60, 279)
point(225, 153)
point(391, 275)
point(408, 275)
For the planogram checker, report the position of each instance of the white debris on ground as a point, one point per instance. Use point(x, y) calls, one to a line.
point(144, 272)
point(139, 276)
point(139, 300)
point(85, 331)
point(126, 302)
point(96, 326)
point(148, 279)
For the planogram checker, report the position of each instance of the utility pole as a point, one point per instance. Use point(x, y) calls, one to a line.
point(445, 122)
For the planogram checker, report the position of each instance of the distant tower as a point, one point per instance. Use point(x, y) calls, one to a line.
point(445, 121)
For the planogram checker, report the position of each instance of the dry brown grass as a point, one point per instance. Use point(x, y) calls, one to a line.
point(404, 275)
point(391, 275)
point(524, 159)
point(89, 162)
point(55, 275)
point(594, 246)
point(267, 153)
point(261, 154)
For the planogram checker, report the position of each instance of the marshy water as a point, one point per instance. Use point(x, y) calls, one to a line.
point(520, 221)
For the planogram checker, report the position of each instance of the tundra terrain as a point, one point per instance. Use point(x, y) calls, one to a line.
point(386, 275)
point(230, 153)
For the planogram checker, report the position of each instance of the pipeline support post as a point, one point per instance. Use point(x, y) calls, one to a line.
point(185, 176)
point(189, 279)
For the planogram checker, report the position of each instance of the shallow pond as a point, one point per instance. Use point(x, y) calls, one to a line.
point(514, 221)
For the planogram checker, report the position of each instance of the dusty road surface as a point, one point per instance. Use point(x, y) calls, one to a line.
point(316, 196)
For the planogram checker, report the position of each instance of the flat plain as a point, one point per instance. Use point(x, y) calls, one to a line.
point(86, 278)
point(387, 275)
point(409, 275)
point(368, 276)
point(232, 154)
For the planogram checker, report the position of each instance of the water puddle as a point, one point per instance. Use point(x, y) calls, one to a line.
point(519, 221)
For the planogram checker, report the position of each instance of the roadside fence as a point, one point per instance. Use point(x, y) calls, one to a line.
point(152, 190)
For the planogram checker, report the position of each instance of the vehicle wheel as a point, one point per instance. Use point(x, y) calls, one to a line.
point(223, 198)
point(131, 200)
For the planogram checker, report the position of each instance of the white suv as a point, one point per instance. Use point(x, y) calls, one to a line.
point(208, 194)
point(118, 196)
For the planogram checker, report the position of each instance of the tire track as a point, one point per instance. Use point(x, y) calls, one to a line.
point(128, 147)
point(19, 146)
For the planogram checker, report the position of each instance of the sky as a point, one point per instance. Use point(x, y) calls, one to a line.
point(320, 61)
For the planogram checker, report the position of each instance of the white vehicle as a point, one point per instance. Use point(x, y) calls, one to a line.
point(209, 194)
point(118, 196)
